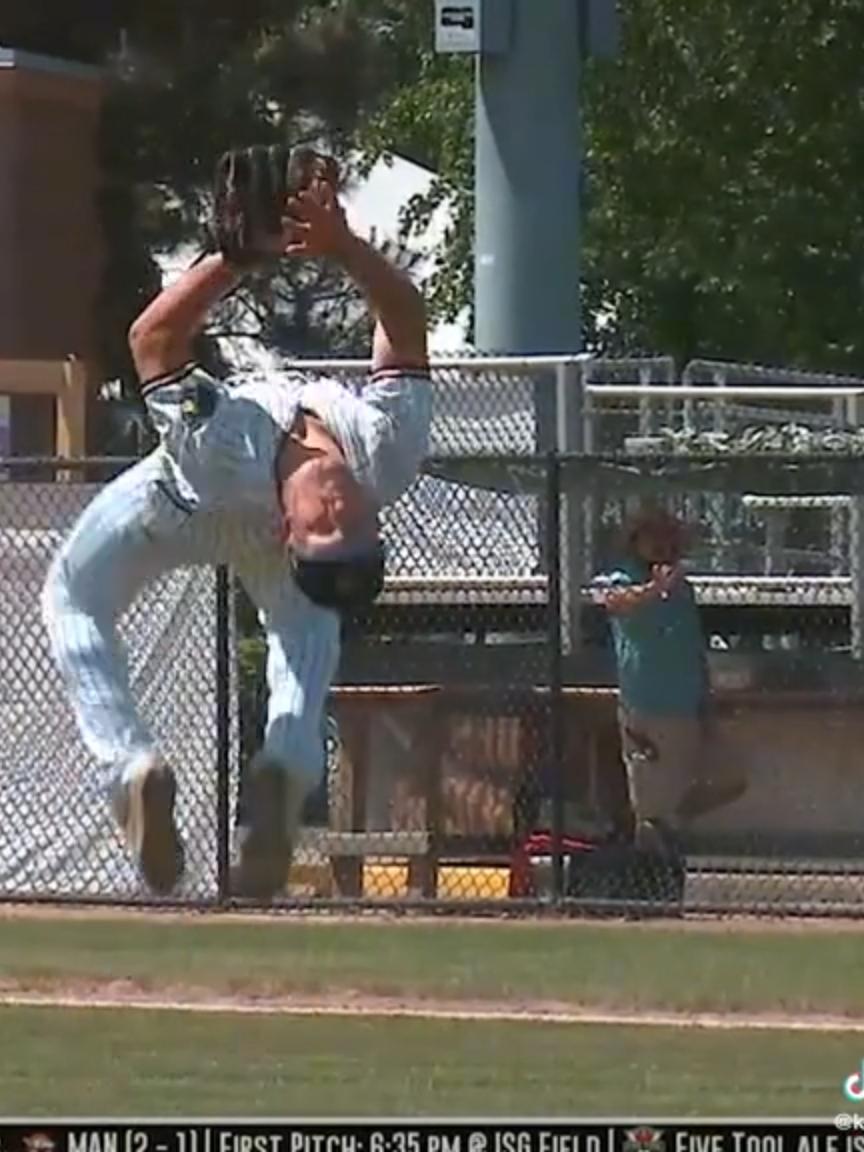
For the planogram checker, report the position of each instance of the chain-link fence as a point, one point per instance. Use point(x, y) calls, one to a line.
point(447, 707)
point(428, 700)
point(59, 839)
point(475, 751)
point(445, 712)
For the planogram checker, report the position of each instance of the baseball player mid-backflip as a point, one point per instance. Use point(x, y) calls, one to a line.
point(283, 477)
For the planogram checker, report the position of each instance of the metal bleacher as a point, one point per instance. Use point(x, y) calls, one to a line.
point(776, 591)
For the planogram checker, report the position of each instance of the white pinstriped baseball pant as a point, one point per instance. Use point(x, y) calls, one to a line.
point(133, 532)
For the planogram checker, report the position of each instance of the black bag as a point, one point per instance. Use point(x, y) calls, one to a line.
point(607, 871)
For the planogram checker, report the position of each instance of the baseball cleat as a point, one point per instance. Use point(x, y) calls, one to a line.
point(265, 843)
point(144, 808)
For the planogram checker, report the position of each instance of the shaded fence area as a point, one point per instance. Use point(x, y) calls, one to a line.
point(477, 701)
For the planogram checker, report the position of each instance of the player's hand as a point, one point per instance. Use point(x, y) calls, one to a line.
point(316, 223)
point(279, 244)
point(665, 577)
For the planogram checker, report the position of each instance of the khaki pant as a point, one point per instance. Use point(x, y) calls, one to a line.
point(679, 768)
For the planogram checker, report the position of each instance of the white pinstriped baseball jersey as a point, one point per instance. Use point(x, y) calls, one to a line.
point(226, 459)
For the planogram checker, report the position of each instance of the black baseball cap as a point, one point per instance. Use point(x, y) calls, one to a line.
point(344, 575)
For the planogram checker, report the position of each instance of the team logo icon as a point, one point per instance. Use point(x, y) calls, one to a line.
point(39, 1142)
point(643, 1139)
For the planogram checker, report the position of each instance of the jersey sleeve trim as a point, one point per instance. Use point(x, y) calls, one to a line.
point(420, 372)
point(175, 377)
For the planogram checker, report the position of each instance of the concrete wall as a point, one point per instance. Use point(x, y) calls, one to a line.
point(804, 752)
point(806, 769)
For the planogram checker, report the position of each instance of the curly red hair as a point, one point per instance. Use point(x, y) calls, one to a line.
point(655, 521)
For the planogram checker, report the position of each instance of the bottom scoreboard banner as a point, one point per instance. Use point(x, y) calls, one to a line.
point(842, 1133)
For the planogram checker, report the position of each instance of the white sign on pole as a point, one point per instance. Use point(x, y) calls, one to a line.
point(457, 26)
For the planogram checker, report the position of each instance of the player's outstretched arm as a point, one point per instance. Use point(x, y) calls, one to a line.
point(400, 340)
point(619, 595)
point(397, 305)
point(161, 338)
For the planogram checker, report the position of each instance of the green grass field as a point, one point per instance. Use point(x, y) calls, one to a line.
point(128, 1060)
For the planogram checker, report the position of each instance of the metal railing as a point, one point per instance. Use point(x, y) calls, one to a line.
point(525, 404)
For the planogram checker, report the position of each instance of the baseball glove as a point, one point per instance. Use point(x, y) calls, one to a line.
point(251, 189)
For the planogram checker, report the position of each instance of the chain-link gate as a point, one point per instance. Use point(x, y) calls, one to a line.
point(59, 839)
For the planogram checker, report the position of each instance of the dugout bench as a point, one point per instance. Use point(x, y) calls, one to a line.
point(466, 753)
point(449, 791)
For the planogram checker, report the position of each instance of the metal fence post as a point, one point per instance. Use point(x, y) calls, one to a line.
point(839, 515)
point(555, 692)
point(572, 429)
point(224, 682)
point(856, 546)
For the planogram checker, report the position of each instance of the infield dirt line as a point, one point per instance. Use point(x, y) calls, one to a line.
point(537, 1013)
point(379, 917)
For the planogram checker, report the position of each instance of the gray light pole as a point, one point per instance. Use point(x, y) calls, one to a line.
point(528, 152)
point(527, 196)
point(527, 193)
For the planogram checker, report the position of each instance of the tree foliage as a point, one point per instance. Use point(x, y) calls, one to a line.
point(724, 207)
point(305, 309)
point(430, 121)
point(186, 81)
point(725, 179)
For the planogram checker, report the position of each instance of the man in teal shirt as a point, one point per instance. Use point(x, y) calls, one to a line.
point(679, 764)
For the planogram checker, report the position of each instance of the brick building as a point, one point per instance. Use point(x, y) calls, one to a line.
point(50, 250)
